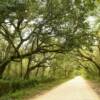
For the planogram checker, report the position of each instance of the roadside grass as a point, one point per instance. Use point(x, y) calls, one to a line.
point(31, 91)
point(95, 84)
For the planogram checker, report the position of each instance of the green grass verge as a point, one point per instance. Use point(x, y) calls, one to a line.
point(29, 92)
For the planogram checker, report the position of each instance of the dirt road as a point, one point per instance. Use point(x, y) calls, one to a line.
point(75, 89)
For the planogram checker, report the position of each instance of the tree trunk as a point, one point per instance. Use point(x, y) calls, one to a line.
point(43, 72)
point(37, 71)
point(21, 68)
point(3, 67)
point(27, 74)
point(28, 69)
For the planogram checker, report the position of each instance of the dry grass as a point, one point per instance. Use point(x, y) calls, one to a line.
point(96, 86)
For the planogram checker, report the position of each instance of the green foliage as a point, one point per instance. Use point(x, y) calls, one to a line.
point(7, 86)
point(37, 38)
point(32, 91)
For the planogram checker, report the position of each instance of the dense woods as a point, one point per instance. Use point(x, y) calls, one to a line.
point(49, 39)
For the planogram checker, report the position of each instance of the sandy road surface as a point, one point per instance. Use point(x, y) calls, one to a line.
point(75, 89)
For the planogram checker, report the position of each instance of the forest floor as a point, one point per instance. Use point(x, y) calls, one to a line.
point(75, 89)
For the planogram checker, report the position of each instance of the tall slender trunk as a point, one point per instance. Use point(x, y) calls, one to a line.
point(21, 68)
point(28, 69)
point(3, 67)
point(37, 71)
point(54, 72)
point(27, 74)
point(43, 72)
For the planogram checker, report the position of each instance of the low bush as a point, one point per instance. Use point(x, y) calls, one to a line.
point(7, 86)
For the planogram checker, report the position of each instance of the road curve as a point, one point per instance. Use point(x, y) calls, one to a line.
point(75, 89)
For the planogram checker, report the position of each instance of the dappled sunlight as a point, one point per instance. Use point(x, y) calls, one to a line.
point(77, 80)
point(43, 42)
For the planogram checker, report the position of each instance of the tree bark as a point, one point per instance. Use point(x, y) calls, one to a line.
point(28, 69)
point(37, 71)
point(3, 67)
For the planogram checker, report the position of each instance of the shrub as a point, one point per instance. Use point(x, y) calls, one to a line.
point(7, 86)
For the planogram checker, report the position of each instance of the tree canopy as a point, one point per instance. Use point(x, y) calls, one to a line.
point(37, 30)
